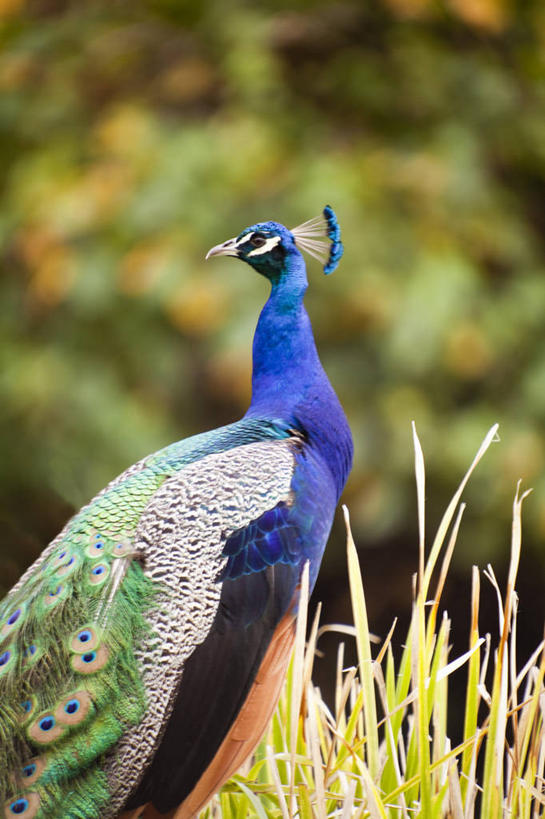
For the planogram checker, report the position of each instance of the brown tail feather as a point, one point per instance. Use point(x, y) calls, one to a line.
point(250, 725)
point(245, 732)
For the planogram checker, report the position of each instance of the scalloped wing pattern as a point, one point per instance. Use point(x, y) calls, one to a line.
point(73, 680)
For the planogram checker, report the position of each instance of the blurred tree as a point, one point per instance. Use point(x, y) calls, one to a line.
point(133, 136)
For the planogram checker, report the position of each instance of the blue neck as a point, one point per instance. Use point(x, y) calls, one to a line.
point(288, 380)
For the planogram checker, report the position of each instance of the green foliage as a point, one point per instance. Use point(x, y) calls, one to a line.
point(133, 136)
point(352, 760)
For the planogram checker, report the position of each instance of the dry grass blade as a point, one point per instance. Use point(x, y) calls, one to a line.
point(273, 767)
point(297, 687)
point(403, 766)
point(363, 643)
point(455, 793)
point(420, 474)
point(313, 742)
point(447, 517)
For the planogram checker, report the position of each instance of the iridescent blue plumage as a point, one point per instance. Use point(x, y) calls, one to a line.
point(272, 538)
point(334, 234)
point(131, 651)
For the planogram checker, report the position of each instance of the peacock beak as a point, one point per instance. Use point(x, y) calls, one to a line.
point(228, 248)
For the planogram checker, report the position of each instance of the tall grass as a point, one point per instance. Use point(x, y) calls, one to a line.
point(383, 749)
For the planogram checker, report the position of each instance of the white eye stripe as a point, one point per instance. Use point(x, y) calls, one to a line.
point(266, 246)
point(244, 239)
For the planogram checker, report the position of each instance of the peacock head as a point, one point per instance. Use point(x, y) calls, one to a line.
point(266, 246)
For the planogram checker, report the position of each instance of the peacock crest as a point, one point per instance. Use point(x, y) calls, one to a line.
point(312, 236)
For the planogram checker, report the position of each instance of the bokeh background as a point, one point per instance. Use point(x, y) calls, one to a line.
point(135, 135)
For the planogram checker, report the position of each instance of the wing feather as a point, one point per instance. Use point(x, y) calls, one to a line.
point(183, 534)
point(215, 689)
point(71, 687)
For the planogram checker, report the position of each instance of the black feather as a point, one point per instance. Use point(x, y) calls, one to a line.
point(215, 682)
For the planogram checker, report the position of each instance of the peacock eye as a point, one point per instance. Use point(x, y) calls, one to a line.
point(257, 240)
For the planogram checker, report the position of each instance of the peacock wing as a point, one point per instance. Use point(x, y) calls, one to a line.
point(196, 668)
point(231, 680)
point(74, 640)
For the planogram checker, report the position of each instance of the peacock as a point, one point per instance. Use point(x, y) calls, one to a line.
point(143, 653)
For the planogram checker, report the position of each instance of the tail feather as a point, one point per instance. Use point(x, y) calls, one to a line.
point(245, 733)
point(250, 725)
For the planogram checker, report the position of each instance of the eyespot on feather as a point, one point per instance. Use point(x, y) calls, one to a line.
point(28, 709)
point(63, 555)
point(8, 659)
point(32, 770)
point(31, 655)
point(91, 661)
point(27, 805)
point(57, 592)
point(13, 620)
point(98, 574)
point(98, 545)
point(122, 548)
point(45, 729)
point(74, 707)
point(84, 639)
point(69, 567)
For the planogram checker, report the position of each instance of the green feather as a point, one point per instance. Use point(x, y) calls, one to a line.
point(87, 579)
